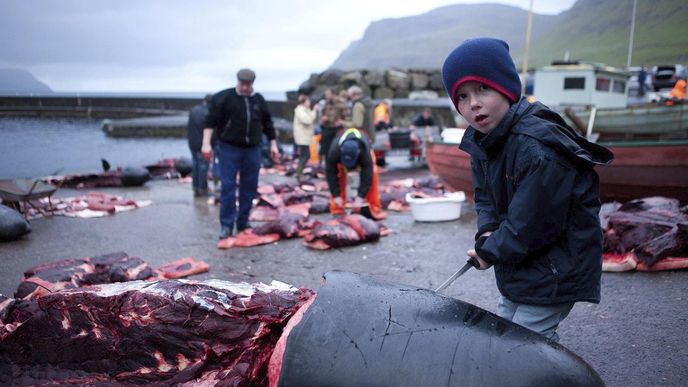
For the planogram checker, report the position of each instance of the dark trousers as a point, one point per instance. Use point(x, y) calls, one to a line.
point(199, 172)
point(245, 162)
point(328, 135)
point(304, 155)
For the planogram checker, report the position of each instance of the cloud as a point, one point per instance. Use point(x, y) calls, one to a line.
point(175, 45)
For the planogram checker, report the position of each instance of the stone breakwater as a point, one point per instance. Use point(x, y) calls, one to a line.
point(378, 84)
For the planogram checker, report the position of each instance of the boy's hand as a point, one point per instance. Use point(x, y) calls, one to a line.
point(483, 265)
point(338, 201)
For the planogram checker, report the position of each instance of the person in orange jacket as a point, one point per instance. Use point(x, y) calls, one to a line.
point(382, 115)
point(678, 93)
point(351, 150)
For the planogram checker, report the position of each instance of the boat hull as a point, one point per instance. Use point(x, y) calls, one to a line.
point(452, 165)
point(645, 122)
point(639, 169)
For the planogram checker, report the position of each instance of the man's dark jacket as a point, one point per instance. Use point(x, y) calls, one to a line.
point(196, 124)
point(536, 190)
point(365, 162)
point(240, 120)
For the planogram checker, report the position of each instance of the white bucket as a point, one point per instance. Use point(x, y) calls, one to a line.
point(440, 209)
point(452, 135)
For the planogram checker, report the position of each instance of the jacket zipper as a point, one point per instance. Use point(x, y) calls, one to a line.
point(487, 179)
point(248, 117)
point(556, 278)
point(484, 164)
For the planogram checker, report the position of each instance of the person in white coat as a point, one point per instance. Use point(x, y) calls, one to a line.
point(304, 119)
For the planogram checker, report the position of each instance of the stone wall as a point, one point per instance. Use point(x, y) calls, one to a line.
point(378, 84)
point(410, 91)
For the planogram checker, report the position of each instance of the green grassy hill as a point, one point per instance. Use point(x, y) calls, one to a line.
point(423, 41)
point(592, 30)
point(599, 31)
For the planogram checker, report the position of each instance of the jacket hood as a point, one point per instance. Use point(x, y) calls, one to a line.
point(537, 121)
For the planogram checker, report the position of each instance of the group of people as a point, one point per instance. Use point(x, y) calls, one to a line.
point(229, 126)
point(345, 145)
point(536, 191)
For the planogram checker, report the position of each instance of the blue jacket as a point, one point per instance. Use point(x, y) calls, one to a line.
point(536, 190)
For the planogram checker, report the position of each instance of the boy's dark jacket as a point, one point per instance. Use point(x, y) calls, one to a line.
point(536, 190)
point(240, 120)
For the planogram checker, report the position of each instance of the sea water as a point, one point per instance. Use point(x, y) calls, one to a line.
point(35, 147)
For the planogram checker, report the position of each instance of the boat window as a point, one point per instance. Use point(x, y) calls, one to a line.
point(574, 83)
point(619, 86)
point(602, 84)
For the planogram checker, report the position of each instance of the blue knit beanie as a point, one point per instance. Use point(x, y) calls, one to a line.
point(348, 153)
point(484, 60)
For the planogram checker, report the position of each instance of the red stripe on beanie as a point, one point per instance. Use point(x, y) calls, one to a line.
point(510, 96)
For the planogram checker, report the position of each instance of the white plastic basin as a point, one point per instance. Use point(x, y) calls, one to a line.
point(439, 209)
point(452, 135)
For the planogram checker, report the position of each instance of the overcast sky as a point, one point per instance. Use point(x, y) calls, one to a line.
point(192, 46)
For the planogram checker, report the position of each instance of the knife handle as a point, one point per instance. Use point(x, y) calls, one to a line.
point(474, 262)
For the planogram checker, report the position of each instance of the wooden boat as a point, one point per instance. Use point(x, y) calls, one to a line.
point(640, 169)
point(579, 90)
point(641, 122)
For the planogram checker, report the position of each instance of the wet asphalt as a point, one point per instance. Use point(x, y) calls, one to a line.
point(637, 335)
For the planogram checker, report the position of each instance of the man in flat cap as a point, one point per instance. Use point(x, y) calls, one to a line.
point(241, 117)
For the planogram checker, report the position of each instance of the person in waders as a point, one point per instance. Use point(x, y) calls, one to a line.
point(350, 151)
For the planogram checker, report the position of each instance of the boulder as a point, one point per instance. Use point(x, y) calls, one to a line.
point(419, 81)
point(398, 80)
point(383, 92)
point(436, 82)
point(292, 95)
point(351, 78)
point(330, 77)
point(366, 89)
point(12, 224)
point(375, 78)
point(319, 92)
point(305, 88)
point(308, 85)
point(401, 93)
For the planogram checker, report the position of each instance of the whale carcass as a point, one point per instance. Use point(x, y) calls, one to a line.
point(358, 331)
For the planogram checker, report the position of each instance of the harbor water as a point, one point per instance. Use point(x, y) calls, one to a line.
point(35, 147)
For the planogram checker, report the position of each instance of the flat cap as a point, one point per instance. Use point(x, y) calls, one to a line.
point(246, 75)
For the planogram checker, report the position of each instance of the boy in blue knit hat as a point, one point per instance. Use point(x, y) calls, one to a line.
point(535, 190)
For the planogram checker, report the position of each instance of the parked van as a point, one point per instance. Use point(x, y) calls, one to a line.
point(665, 76)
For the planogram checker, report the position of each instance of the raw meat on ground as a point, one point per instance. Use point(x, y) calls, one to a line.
point(170, 332)
point(247, 238)
point(345, 231)
point(53, 276)
point(643, 233)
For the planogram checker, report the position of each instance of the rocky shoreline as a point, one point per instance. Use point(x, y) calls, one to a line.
point(378, 84)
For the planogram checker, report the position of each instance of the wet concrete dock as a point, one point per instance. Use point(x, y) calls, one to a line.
point(635, 337)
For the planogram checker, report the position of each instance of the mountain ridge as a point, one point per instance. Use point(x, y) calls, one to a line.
point(591, 30)
point(13, 80)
